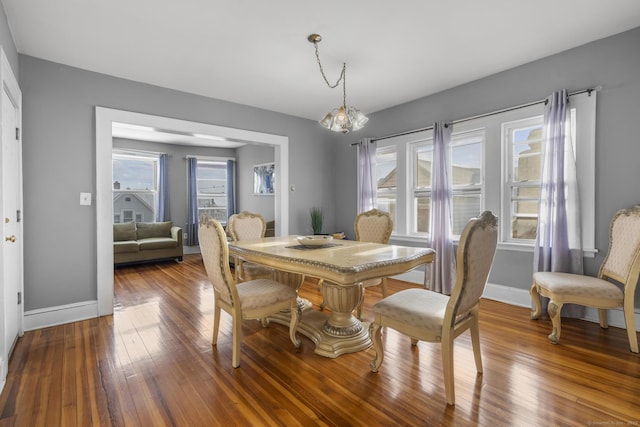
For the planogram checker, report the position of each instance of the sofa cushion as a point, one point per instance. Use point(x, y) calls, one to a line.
point(124, 247)
point(126, 231)
point(145, 230)
point(157, 243)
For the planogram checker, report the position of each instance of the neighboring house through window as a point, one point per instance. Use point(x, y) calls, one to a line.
point(135, 186)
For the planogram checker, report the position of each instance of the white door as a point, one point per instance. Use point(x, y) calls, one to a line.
point(11, 199)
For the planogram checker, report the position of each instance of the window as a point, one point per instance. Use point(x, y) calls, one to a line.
point(135, 186)
point(211, 180)
point(466, 177)
point(421, 160)
point(385, 176)
point(495, 165)
point(414, 155)
point(523, 147)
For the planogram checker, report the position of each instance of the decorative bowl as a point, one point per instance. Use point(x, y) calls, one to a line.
point(313, 241)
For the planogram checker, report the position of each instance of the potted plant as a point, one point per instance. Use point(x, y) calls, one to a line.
point(316, 219)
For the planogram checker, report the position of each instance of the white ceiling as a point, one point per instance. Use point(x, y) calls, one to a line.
point(171, 136)
point(256, 52)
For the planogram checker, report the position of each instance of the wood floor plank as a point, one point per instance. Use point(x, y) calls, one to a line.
point(152, 363)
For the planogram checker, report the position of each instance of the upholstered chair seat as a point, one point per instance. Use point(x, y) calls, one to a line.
point(578, 285)
point(262, 292)
point(415, 308)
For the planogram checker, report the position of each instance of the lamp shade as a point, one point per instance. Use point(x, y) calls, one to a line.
point(342, 119)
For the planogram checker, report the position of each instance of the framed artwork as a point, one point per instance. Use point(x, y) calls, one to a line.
point(263, 179)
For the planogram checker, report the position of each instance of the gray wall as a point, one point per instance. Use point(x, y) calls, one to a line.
point(613, 62)
point(59, 163)
point(248, 156)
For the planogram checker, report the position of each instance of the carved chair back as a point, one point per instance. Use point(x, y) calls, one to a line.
point(373, 226)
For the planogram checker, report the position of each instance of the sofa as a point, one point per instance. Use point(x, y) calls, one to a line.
point(271, 229)
point(146, 241)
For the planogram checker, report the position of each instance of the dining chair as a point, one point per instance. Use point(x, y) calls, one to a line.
point(373, 226)
point(248, 226)
point(254, 299)
point(425, 315)
point(621, 265)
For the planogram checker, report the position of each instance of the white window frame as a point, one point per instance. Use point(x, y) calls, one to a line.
point(414, 190)
point(390, 148)
point(508, 181)
point(206, 159)
point(459, 131)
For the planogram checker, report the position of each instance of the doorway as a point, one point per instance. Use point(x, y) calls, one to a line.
point(105, 117)
point(11, 258)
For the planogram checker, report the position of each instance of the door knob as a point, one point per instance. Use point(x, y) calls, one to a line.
point(10, 239)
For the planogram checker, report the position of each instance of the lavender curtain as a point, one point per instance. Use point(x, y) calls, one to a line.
point(366, 166)
point(192, 200)
point(558, 239)
point(231, 187)
point(558, 244)
point(444, 266)
point(162, 211)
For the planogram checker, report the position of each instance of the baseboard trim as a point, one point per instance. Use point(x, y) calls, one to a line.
point(4, 369)
point(59, 315)
point(521, 298)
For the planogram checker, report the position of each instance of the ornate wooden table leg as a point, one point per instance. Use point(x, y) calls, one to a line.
point(335, 331)
point(342, 300)
point(341, 332)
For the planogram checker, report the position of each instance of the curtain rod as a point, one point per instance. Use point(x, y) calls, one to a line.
point(209, 158)
point(135, 152)
point(466, 119)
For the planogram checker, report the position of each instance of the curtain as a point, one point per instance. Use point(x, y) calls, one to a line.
point(162, 211)
point(192, 211)
point(443, 269)
point(366, 166)
point(231, 187)
point(558, 239)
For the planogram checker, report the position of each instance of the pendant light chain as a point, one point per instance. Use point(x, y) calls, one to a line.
point(342, 74)
point(344, 85)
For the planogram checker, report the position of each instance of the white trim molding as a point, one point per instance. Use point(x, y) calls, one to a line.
point(52, 316)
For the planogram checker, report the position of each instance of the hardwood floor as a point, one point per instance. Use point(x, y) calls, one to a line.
point(152, 364)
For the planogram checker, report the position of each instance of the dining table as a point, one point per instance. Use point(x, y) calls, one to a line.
point(342, 265)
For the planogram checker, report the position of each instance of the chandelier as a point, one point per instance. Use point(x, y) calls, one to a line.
point(342, 118)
